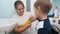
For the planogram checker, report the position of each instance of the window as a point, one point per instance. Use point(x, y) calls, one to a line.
point(28, 5)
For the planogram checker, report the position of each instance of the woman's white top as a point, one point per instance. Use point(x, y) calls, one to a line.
point(21, 19)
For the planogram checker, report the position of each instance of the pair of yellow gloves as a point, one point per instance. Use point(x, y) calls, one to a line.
point(26, 22)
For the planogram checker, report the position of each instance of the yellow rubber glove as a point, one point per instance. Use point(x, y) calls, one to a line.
point(26, 22)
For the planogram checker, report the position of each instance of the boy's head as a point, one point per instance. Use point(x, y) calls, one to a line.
point(42, 7)
point(19, 6)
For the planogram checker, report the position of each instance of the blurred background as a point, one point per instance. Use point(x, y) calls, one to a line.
point(7, 7)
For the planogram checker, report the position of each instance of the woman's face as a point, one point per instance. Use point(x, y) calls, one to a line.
point(20, 9)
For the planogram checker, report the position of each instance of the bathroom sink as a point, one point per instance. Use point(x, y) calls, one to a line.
point(7, 25)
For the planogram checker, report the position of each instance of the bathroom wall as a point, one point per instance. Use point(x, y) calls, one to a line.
point(55, 3)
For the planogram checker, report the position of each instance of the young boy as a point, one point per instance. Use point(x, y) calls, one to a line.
point(42, 8)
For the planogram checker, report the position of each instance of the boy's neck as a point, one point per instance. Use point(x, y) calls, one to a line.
point(42, 17)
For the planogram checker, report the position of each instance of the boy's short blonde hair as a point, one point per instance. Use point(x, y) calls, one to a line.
point(45, 5)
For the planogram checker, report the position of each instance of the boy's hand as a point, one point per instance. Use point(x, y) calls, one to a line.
point(32, 18)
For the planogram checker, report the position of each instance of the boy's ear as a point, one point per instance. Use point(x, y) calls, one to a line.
point(39, 8)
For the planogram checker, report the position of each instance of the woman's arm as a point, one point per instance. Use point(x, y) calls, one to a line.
point(20, 30)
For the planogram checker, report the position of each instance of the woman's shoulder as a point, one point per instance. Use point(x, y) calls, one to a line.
point(13, 16)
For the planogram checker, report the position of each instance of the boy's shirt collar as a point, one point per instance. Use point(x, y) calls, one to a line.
point(41, 20)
